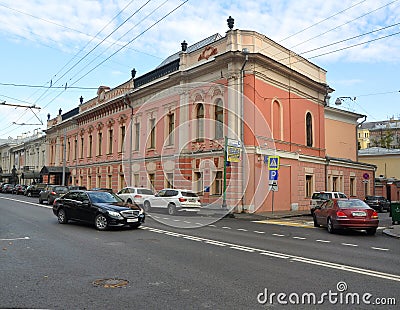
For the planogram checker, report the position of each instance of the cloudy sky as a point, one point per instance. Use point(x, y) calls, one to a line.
point(53, 52)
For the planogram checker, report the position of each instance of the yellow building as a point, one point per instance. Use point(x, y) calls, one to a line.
point(363, 138)
point(387, 161)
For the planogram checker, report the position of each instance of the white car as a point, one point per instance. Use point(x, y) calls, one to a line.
point(174, 201)
point(135, 194)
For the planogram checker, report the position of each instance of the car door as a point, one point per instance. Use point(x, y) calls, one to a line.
point(322, 213)
point(158, 200)
point(85, 210)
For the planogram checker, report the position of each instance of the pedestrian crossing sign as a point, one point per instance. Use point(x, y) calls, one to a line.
point(273, 162)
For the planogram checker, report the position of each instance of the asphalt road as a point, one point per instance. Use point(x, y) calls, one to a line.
point(228, 264)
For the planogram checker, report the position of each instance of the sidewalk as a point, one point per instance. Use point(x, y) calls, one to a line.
point(393, 231)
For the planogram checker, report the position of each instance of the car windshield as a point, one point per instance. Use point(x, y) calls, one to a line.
point(61, 189)
point(347, 204)
point(189, 194)
point(145, 191)
point(103, 197)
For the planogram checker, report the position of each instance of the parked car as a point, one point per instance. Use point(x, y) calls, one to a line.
point(135, 194)
point(174, 201)
point(102, 189)
point(103, 209)
point(34, 189)
point(346, 214)
point(379, 203)
point(51, 192)
point(19, 189)
point(7, 188)
point(318, 198)
point(76, 187)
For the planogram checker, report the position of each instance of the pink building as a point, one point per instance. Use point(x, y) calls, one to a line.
point(243, 92)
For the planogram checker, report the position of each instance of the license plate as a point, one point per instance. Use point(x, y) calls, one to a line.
point(131, 220)
point(359, 213)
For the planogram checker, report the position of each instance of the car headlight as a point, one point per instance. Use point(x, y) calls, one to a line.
point(115, 214)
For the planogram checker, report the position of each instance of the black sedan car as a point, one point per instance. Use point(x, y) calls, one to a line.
point(103, 209)
point(379, 203)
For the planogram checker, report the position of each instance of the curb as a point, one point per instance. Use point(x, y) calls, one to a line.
point(390, 232)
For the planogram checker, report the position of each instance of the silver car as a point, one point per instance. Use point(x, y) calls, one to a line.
point(135, 194)
point(174, 201)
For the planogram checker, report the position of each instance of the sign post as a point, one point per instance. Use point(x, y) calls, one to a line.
point(232, 151)
point(273, 167)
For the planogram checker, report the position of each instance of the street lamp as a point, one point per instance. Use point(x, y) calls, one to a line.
point(339, 100)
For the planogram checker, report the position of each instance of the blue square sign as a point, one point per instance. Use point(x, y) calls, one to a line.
point(273, 175)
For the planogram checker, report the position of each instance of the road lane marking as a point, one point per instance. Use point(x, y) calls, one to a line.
point(259, 232)
point(241, 229)
point(29, 203)
point(287, 223)
point(323, 241)
point(212, 225)
point(215, 243)
point(379, 249)
point(24, 238)
point(240, 248)
point(301, 259)
point(350, 244)
point(299, 238)
point(278, 235)
point(225, 227)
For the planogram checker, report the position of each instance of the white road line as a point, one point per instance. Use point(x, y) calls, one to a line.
point(323, 264)
point(200, 224)
point(278, 235)
point(177, 220)
point(259, 232)
point(212, 225)
point(323, 241)
point(241, 229)
point(224, 227)
point(29, 203)
point(379, 249)
point(349, 244)
point(187, 222)
point(275, 255)
point(24, 238)
point(299, 238)
point(215, 243)
point(242, 249)
point(165, 218)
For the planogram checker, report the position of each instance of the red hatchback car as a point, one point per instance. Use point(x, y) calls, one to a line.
point(346, 214)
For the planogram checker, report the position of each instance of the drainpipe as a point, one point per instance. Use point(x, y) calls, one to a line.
point(245, 51)
point(326, 172)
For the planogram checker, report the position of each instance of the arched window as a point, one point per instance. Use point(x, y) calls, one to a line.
point(309, 129)
point(219, 119)
point(200, 122)
point(277, 129)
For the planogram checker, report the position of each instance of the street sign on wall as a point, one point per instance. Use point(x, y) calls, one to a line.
point(273, 162)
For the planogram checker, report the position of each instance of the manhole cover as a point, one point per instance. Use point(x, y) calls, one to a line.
point(110, 283)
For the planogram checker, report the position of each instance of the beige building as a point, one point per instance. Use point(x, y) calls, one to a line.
point(387, 161)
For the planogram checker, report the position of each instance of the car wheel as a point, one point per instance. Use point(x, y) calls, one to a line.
point(62, 217)
point(315, 221)
point(101, 222)
point(329, 225)
point(371, 231)
point(135, 226)
point(171, 209)
point(147, 206)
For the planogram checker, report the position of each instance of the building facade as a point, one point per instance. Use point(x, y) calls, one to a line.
point(242, 93)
